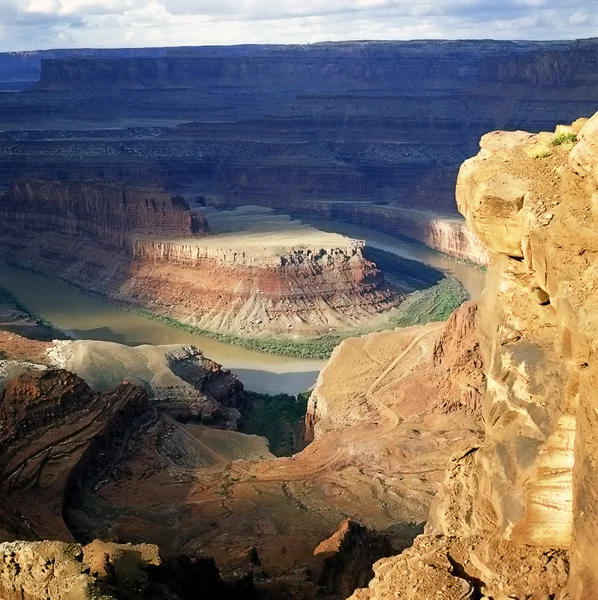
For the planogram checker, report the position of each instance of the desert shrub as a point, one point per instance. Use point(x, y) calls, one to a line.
point(566, 137)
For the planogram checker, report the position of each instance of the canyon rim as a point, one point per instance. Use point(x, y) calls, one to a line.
point(330, 210)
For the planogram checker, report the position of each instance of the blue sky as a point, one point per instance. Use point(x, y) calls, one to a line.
point(34, 24)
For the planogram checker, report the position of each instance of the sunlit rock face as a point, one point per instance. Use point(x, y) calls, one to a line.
point(516, 512)
point(145, 248)
point(446, 233)
point(109, 212)
point(530, 202)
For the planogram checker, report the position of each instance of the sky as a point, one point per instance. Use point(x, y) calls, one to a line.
point(41, 24)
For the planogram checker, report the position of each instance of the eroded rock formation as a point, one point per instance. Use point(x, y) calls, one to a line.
point(134, 244)
point(407, 402)
point(352, 121)
point(53, 424)
point(107, 571)
point(516, 511)
point(112, 214)
point(447, 234)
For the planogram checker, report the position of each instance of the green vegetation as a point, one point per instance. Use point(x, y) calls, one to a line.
point(540, 152)
point(314, 348)
point(434, 304)
point(279, 418)
point(566, 137)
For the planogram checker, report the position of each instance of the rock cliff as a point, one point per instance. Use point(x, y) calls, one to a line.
point(361, 121)
point(447, 234)
point(112, 214)
point(515, 512)
point(133, 244)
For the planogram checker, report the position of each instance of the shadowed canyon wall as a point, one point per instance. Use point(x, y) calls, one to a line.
point(355, 121)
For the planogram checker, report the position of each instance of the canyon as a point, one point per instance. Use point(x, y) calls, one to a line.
point(160, 469)
point(148, 249)
point(370, 122)
point(443, 453)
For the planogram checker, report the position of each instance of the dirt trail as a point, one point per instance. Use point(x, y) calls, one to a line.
point(181, 428)
point(394, 422)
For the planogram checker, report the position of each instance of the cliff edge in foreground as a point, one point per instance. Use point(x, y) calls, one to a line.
point(518, 517)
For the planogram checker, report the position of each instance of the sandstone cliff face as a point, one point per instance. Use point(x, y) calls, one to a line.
point(110, 213)
point(141, 247)
point(514, 512)
point(447, 234)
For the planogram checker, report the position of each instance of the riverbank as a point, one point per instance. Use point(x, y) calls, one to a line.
point(82, 316)
point(15, 318)
point(435, 303)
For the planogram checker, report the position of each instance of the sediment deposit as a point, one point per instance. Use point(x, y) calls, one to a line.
point(517, 516)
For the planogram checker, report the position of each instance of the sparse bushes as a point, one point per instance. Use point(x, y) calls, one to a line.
point(432, 304)
point(275, 417)
point(565, 137)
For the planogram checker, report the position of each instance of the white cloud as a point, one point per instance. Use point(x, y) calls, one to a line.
point(30, 24)
point(579, 18)
point(40, 6)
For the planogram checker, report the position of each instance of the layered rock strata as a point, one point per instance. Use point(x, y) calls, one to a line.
point(392, 408)
point(515, 512)
point(132, 245)
point(397, 406)
point(179, 380)
point(53, 425)
point(447, 234)
point(353, 121)
point(112, 214)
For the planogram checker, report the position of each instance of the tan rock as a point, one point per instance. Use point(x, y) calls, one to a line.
point(512, 512)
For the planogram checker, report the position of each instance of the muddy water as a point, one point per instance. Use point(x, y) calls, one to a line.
point(85, 317)
point(471, 277)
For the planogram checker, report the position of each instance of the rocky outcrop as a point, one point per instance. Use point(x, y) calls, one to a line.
point(447, 234)
point(454, 373)
point(347, 557)
point(69, 571)
point(112, 214)
point(523, 502)
point(141, 248)
point(399, 404)
point(180, 381)
point(52, 425)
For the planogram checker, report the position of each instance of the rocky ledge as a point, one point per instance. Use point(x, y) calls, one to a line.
point(515, 512)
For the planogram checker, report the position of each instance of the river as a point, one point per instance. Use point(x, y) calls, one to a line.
point(86, 317)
